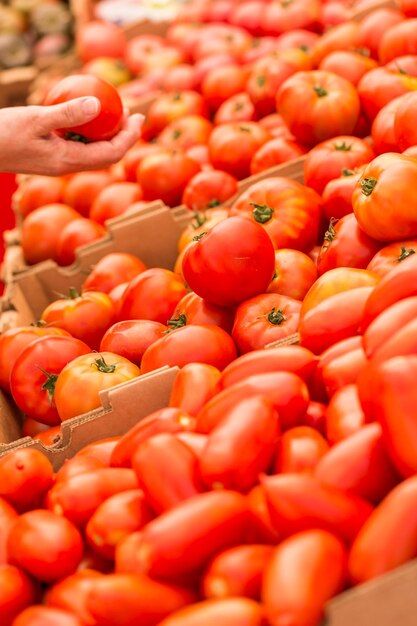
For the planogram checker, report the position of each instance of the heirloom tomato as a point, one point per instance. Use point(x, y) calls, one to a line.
point(232, 146)
point(208, 189)
point(380, 86)
point(130, 338)
point(112, 270)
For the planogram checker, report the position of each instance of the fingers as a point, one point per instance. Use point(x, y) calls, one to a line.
point(72, 113)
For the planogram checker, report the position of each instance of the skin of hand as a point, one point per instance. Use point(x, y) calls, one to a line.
point(28, 144)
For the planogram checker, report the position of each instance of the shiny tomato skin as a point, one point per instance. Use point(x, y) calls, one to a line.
point(8, 516)
point(228, 280)
point(311, 560)
point(404, 124)
point(77, 390)
point(349, 64)
point(18, 592)
point(391, 256)
point(384, 328)
point(79, 232)
point(45, 545)
point(260, 528)
point(374, 25)
point(111, 270)
point(77, 465)
point(288, 211)
point(165, 175)
point(38, 191)
point(299, 450)
point(264, 319)
point(275, 152)
point(267, 75)
point(295, 272)
point(208, 189)
point(344, 415)
point(194, 385)
point(25, 477)
point(115, 200)
point(188, 131)
point(70, 594)
point(382, 130)
point(130, 338)
point(201, 223)
point(86, 317)
point(231, 612)
point(232, 146)
point(202, 343)
point(381, 86)
point(343, 370)
point(192, 309)
point(399, 40)
point(334, 351)
point(337, 195)
point(315, 416)
point(153, 295)
point(51, 353)
point(38, 615)
point(83, 188)
point(237, 108)
point(108, 122)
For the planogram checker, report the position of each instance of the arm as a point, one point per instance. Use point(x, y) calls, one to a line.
point(28, 144)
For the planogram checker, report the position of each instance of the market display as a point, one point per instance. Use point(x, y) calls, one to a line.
point(280, 469)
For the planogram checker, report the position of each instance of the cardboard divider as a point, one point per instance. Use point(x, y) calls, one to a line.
point(359, 14)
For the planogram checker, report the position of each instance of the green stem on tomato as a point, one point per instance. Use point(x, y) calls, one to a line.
point(102, 366)
point(276, 316)
point(405, 253)
point(49, 384)
point(368, 185)
point(262, 213)
point(176, 322)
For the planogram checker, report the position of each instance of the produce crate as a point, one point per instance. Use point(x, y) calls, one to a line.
point(15, 85)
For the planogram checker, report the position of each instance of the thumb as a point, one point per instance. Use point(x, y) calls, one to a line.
point(72, 113)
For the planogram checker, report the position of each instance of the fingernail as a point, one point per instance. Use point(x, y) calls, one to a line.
point(90, 106)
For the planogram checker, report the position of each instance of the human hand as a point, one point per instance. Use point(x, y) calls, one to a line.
point(28, 144)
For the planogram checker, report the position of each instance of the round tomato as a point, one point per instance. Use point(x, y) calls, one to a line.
point(349, 64)
point(188, 131)
point(35, 372)
point(275, 152)
point(130, 338)
point(18, 591)
point(390, 256)
point(295, 272)
point(380, 86)
point(201, 223)
point(134, 156)
point(279, 18)
point(220, 83)
point(227, 280)
point(77, 233)
point(83, 188)
point(399, 40)
point(405, 131)
point(114, 200)
point(209, 189)
point(172, 106)
point(192, 309)
point(39, 191)
point(100, 39)
point(374, 25)
point(165, 175)
point(238, 108)
point(232, 146)
point(25, 477)
point(382, 131)
point(341, 37)
point(337, 195)
point(107, 123)
point(265, 79)
point(299, 450)
point(112, 270)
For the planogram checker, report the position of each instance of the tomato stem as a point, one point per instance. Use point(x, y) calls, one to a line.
point(102, 366)
point(176, 134)
point(330, 233)
point(343, 147)
point(346, 172)
point(405, 253)
point(76, 137)
point(73, 293)
point(261, 80)
point(276, 316)
point(213, 203)
point(262, 213)
point(49, 384)
point(368, 185)
point(200, 236)
point(320, 91)
point(176, 322)
point(198, 220)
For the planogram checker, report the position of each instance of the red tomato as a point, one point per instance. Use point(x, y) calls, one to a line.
point(201, 343)
point(266, 77)
point(238, 108)
point(45, 545)
point(77, 233)
point(182, 540)
point(390, 256)
point(98, 38)
point(404, 122)
point(349, 64)
point(341, 37)
point(179, 78)
point(287, 210)
point(112, 270)
point(18, 591)
point(186, 132)
point(201, 223)
point(71, 594)
point(107, 123)
point(209, 189)
point(101, 450)
point(315, 416)
point(231, 612)
point(8, 517)
point(77, 465)
point(220, 83)
point(344, 415)
point(278, 18)
point(130, 339)
point(382, 131)
point(114, 200)
point(192, 309)
point(317, 105)
point(275, 152)
point(38, 615)
point(25, 477)
point(78, 387)
point(35, 372)
point(38, 191)
point(374, 25)
point(276, 126)
point(380, 86)
point(299, 450)
point(241, 445)
point(328, 159)
point(265, 319)
point(399, 40)
point(260, 528)
point(315, 559)
point(343, 370)
point(287, 392)
point(297, 38)
point(42, 229)
point(299, 502)
point(388, 539)
point(232, 146)
point(169, 107)
point(117, 517)
point(83, 188)
point(194, 385)
point(337, 195)
point(139, 48)
point(295, 272)
point(245, 271)
point(135, 155)
point(164, 176)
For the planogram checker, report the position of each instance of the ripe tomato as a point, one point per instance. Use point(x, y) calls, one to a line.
point(287, 210)
point(192, 309)
point(343, 370)
point(328, 159)
point(344, 415)
point(86, 316)
point(114, 200)
point(25, 477)
point(79, 383)
point(98, 38)
point(232, 146)
point(112, 270)
point(380, 86)
point(83, 188)
point(317, 105)
point(39, 615)
point(194, 385)
point(399, 40)
point(230, 611)
point(220, 83)
point(209, 189)
point(279, 18)
point(383, 333)
point(78, 232)
point(348, 64)
point(45, 545)
point(275, 152)
point(164, 176)
point(169, 107)
point(341, 37)
point(337, 195)
point(130, 338)
point(188, 131)
point(264, 319)
point(71, 594)
point(38, 191)
point(299, 450)
point(295, 272)
point(201, 223)
point(35, 372)
point(404, 124)
point(179, 78)
point(18, 592)
point(375, 202)
point(391, 255)
point(134, 156)
point(265, 79)
point(315, 416)
point(317, 560)
point(276, 126)
point(374, 25)
point(8, 516)
point(107, 123)
point(42, 229)
point(200, 343)
point(238, 108)
point(153, 295)
point(382, 131)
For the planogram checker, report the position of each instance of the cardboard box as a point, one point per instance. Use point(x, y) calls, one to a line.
point(15, 85)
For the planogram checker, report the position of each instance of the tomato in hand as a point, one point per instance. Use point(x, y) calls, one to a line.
point(108, 121)
point(130, 338)
point(25, 477)
point(194, 385)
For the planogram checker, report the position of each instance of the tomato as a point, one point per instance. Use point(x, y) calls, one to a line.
point(237, 108)
point(179, 78)
point(388, 539)
point(185, 132)
point(382, 131)
point(278, 18)
point(317, 561)
point(231, 612)
point(399, 40)
point(78, 232)
point(220, 83)
point(192, 309)
point(129, 339)
point(172, 106)
point(241, 445)
point(18, 591)
point(101, 449)
point(138, 48)
point(78, 465)
point(408, 7)
point(209, 189)
point(167, 420)
point(38, 615)
point(374, 25)
point(98, 38)
point(78, 387)
point(114, 200)
point(344, 415)
point(83, 188)
point(315, 416)
point(348, 64)
point(317, 105)
point(328, 159)
point(142, 600)
point(244, 272)
point(164, 175)
point(260, 528)
point(25, 477)
point(276, 126)
point(232, 146)
point(194, 385)
point(337, 195)
point(71, 594)
point(343, 370)
point(177, 478)
point(275, 152)
point(8, 516)
point(391, 255)
point(111, 270)
point(283, 358)
point(86, 316)
point(107, 123)
point(45, 545)
point(115, 296)
point(287, 210)
point(114, 519)
point(299, 502)
point(42, 229)
point(38, 191)
point(287, 392)
point(222, 39)
point(201, 223)
point(134, 156)
point(404, 123)
point(34, 374)
point(346, 245)
point(341, 37)
point(299, 450)
point(182, 540)
point(265, 79)
point(201, 343)
point(382, 85)
point(295, 272)
point(264, 319)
